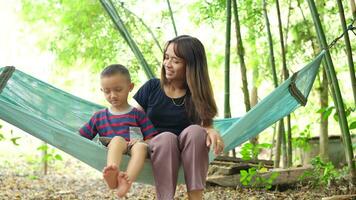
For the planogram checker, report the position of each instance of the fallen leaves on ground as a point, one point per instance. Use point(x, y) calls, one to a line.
point(74, 180)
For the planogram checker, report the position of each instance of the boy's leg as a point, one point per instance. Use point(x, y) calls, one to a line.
point(116, 148)
point(137, 160)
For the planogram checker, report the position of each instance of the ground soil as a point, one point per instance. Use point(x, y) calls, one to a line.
point(71, 179)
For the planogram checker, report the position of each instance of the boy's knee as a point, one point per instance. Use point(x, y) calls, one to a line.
point(118, 141)
point(140, 146)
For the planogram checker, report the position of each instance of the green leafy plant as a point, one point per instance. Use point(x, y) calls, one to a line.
point(323, 173)
point(51, 154)
point(254, 176)
point(2, 137)
point(251, 151)
point(326, 112)
point(302, 140)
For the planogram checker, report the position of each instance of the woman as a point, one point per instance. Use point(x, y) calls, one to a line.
point(181, 106)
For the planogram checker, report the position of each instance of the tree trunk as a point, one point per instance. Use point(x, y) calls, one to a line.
point(240, 51)
point(348, 49)
point(324, 138)
point(337, 97)
point(227, 112)
point(254, 101)
point(44, 158)
point(324, 94)
point(241, 54)
point(275, 82)
point(279, 141)
point(353, 8)
point(286, 75)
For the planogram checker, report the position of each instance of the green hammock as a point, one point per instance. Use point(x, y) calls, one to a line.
point(55, 116)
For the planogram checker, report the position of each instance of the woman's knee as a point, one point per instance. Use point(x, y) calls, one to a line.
point(194, 132)
point(164, 140)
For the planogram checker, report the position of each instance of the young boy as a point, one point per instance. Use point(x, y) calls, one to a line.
point(115, 122)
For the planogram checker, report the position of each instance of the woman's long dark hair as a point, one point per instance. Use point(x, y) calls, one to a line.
point(200, 103)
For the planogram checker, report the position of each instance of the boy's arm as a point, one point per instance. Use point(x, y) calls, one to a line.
point(146, 126)
point(89, 130)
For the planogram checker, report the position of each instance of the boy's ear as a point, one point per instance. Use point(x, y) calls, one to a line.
point(132, 85)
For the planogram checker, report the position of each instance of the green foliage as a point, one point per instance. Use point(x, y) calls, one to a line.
point(2, 137)
point(208, 11)
point(323, 173)
point(302, 141)
point(12, 138)
point(81, 32)
point(50, 155)
point(251, 151)
point(253, 177)
point(349, 111)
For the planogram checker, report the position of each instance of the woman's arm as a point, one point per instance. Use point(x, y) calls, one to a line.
point(213, 138)
point(138, 106)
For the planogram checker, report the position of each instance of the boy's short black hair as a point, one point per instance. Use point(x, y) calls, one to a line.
point(115, 69)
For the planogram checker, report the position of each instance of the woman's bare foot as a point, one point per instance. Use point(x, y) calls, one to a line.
point(124, 184)
point(110, 174)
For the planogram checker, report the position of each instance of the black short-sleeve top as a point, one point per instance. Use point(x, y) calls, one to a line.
point(164, 113)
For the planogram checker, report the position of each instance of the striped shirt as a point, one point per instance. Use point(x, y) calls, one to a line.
point(110, 125)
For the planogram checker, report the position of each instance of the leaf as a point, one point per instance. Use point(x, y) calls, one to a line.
point(353, 125)
point(42, 148)
point(327, 113)
point(14, 140)
point(2, 137)
point(58, 157)
point(263, 170)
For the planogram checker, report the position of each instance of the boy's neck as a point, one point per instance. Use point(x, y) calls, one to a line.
point(121, 108)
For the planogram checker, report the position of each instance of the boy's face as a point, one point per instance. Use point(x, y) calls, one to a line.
point(116, 89)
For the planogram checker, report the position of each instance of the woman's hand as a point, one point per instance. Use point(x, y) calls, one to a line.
point(214, 138)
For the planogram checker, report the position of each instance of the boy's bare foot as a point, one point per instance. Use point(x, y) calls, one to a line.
point(124, 184)
point(110, 174)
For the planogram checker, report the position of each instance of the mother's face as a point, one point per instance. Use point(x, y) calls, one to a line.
point(173, 65)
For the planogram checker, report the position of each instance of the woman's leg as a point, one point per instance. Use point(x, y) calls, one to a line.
point(164, 154)
point(137, 160)
point(195, 159)
point(116, 148)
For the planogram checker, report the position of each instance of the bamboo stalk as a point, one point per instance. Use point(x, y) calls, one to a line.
point(241, 52)
point(146, 26)
point(353, 8)
point(286, 76)
point(172, 18)
point(227, 112)
point(348, 48)
point(336, 90)
point(115, 17)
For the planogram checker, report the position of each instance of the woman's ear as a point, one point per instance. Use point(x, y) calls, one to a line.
point(131, 86)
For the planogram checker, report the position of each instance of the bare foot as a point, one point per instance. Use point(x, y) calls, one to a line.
point(124, 184)
point(110, 174)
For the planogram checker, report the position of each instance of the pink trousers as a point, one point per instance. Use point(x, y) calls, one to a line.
point(168, 151)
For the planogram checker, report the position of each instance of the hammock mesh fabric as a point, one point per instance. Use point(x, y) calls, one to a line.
point(55, 116)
